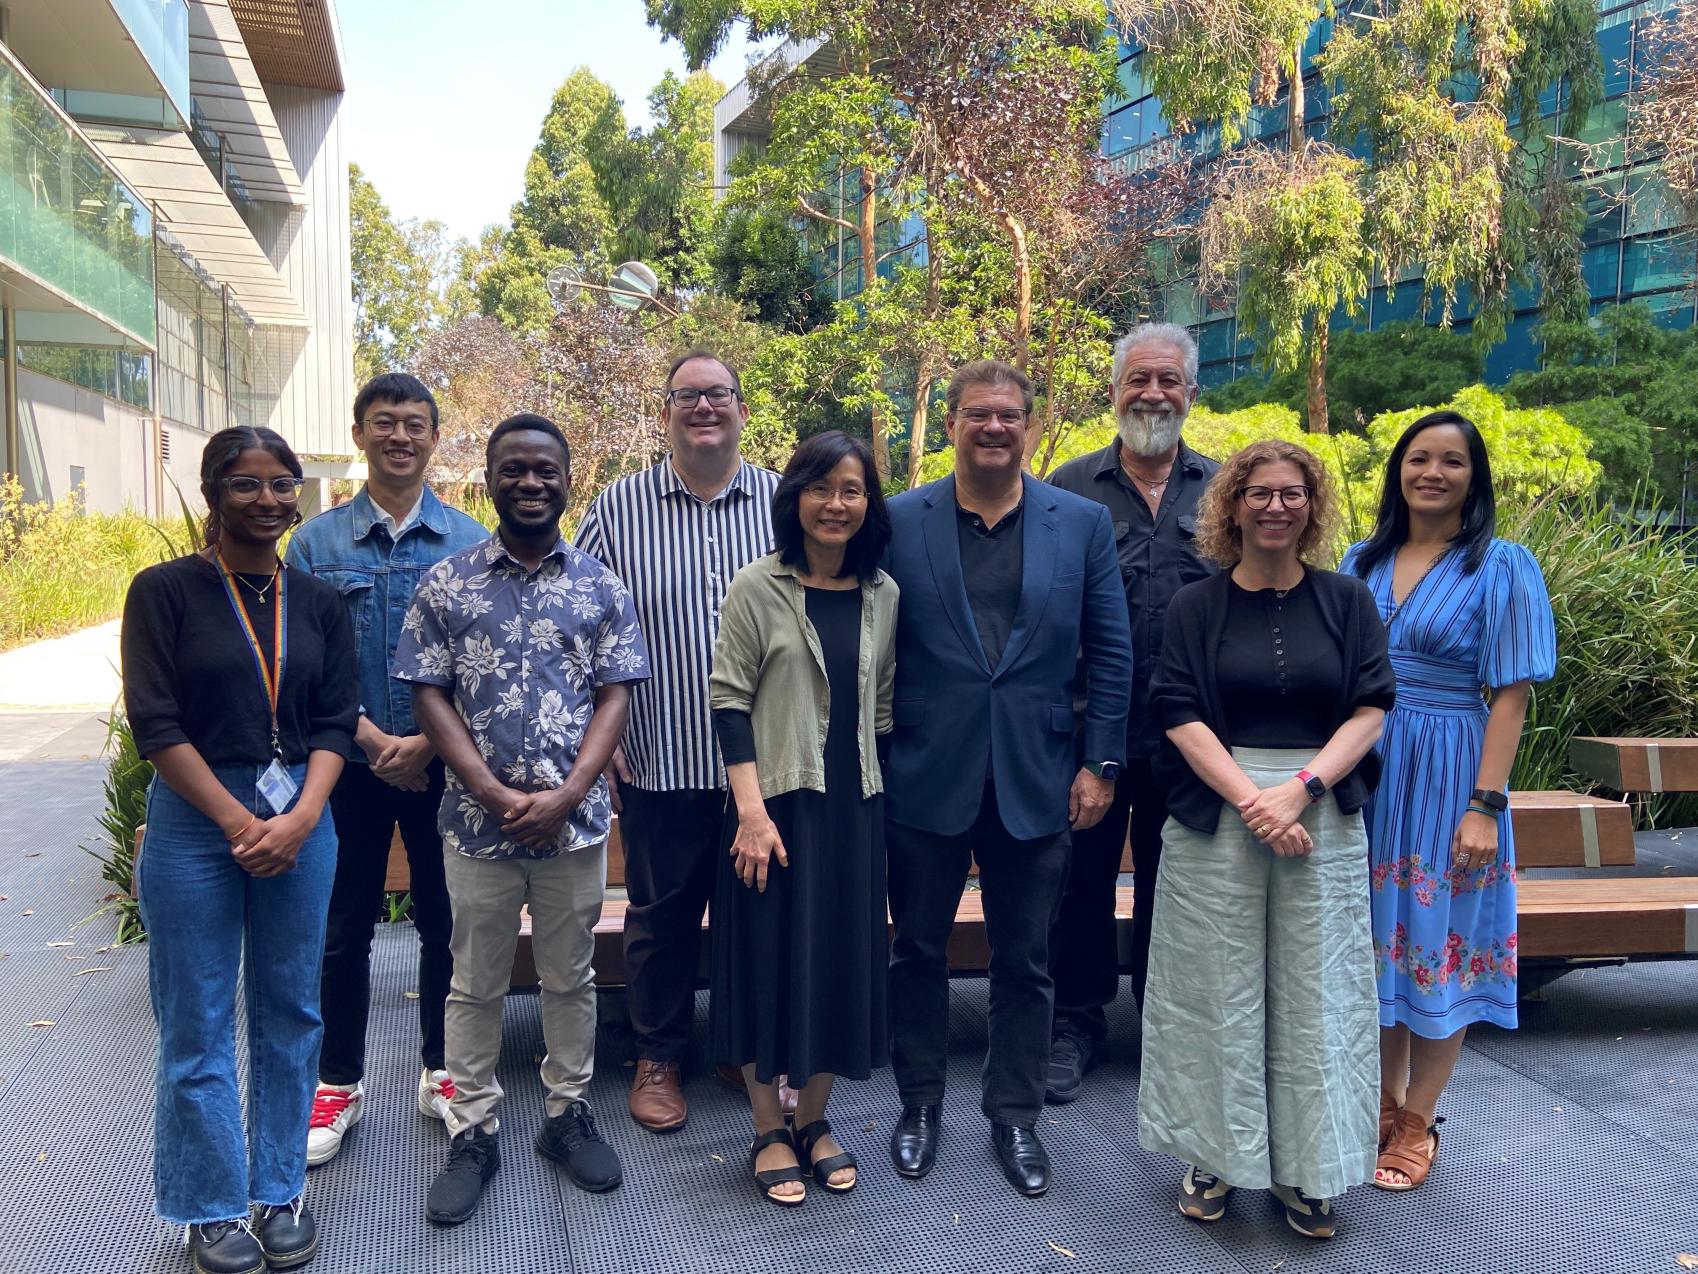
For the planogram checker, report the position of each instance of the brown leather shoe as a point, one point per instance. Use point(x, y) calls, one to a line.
point(732, 1077)
point(657, 1101)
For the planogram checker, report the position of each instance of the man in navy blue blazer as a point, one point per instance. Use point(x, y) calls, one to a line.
point(1007, 585)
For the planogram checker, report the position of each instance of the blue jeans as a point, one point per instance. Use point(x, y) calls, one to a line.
point(207, 921)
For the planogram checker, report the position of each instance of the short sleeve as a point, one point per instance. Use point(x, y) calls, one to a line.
point(1347, 564)
point(1376, 679)
point(620, 653)
point(1518, 641)
point(591, 539)
point(422, 654)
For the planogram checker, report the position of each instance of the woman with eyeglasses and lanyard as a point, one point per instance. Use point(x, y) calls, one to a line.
point(1260, 1034)
point(240, 688)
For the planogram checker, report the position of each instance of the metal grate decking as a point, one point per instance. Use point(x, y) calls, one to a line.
point(1571, 1145)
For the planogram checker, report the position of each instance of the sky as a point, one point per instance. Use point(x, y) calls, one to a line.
point(445, 97)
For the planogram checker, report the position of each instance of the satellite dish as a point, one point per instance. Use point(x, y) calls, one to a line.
point(563, 284)
point(632, 286)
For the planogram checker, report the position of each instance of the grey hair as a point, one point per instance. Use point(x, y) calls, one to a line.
point(1166, 334)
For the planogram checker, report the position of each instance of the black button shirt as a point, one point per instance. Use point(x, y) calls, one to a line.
point(1157, 555)
point(991, 562)
point(1278, 669)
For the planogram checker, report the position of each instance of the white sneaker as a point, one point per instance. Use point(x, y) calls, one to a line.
point(334, 1110)
point(436, 1090)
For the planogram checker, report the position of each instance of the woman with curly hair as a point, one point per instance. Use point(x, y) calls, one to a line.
point(1467, 613)
point(1260, 1030)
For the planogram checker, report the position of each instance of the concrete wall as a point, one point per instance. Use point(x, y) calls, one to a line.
point(310, 248)
point(61, 425)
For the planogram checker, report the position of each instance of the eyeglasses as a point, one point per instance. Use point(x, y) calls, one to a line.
point(246, 488)
point(823, 491)
point(717, 396)
point(383, 426)
point(1289, 497)
point(984, 415)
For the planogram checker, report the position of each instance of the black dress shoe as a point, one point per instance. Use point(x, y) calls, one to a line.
point(913, 1146)
point(1024, 1160)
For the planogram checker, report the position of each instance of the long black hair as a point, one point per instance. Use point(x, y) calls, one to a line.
point(222, 452)
point(811, 462)
point(1479, 508)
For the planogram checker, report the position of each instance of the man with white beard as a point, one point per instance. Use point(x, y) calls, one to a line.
point(1150, 482)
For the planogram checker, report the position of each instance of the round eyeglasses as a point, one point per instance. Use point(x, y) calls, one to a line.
point(1262, 497)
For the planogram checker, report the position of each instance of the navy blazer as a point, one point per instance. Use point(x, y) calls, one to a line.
point(957, 719)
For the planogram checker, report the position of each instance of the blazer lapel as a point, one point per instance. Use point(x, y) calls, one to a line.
point(943, 549)
point(1039, 540)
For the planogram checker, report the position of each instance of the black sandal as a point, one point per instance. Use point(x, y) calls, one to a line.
point(767, 1181)
point(806, 1139)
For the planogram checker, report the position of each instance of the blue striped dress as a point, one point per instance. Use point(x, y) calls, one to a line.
point(1445, 940)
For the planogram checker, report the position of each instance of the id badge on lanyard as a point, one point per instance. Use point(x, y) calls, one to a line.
point(276, 784)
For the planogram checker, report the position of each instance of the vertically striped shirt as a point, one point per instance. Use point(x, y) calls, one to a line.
point(676, 554)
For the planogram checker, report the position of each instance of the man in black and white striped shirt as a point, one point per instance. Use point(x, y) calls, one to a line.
point(675, 534)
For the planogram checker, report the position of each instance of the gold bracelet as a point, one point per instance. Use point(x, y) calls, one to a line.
point(252, 819)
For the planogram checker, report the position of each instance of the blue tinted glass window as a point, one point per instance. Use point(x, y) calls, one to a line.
point(1599, 265)
point(1653, 264)
point(1614, 46)
point(1215, 340)
point(1518, 351)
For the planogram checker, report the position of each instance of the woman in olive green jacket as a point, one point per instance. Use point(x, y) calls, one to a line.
point(802, 678)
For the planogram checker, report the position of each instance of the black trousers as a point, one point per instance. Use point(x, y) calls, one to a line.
point(1083, 956)
point(366, 811)
point(672, 845)
point(1022, 882)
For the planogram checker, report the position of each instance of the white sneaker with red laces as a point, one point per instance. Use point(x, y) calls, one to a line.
point(436, 1090)
point(335, 1109)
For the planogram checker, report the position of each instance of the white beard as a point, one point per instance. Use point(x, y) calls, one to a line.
point(1149, 433)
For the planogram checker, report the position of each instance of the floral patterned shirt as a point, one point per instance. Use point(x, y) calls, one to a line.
point(524, 652)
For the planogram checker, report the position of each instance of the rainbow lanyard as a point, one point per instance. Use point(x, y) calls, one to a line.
point(271, 678)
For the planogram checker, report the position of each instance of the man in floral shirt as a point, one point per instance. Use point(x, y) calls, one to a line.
point(521, 650)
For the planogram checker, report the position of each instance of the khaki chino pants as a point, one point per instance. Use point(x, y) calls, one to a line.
point(564, 894)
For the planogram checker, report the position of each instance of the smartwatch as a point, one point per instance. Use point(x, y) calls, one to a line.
point(1313, 785)
point(1497, 802)
point(1107, 771)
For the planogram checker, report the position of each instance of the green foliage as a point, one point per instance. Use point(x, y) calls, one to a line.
point(1628, 384)
point(1392, 367)
point(758, 258)
point(1625, 595)
point(128, 774)
point(394, 269)
point(62, 568)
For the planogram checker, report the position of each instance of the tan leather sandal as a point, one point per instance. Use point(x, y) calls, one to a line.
point(1412, 1149)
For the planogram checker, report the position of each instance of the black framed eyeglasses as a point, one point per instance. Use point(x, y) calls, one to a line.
point(383, 426)
point(1262, 497)
point(717, 396)
point(245, 487)
point(1003, 415)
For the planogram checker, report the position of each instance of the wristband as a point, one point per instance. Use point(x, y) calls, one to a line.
point(1474, 807)
point(252, 819)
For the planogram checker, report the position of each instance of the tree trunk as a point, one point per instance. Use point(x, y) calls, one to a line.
point(1318, 378)
point(1294, 136)
point(1022, 291)
point(867, 233)
point(925, 374)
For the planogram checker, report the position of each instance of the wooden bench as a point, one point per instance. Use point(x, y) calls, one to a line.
point(1652, 766)
point(1566, 829)
point(1633, 917)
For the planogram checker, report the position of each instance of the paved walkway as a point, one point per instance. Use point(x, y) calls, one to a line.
point(74, 673)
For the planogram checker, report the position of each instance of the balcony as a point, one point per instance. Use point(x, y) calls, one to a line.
point(73, 235)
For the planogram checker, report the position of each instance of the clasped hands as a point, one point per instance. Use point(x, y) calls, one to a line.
point(400, 760)
point(534, 819)
point(1272, 816)
point(268, 846)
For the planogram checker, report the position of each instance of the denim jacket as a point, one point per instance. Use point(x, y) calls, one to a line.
point(349, 546)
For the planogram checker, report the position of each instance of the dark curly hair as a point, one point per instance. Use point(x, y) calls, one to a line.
point(1218, 536)
point(222, 452)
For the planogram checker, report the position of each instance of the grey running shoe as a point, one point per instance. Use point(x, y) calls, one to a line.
point(1305, 1213)
point(1202, 1195)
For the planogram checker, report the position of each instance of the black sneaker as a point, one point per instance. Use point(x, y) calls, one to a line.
point(1070, 1056)
point(473, 1158)
point(225, 1247)
point(1202, 1195)
point(1305, 1213)
point(287, 1234)
point(571, 1140)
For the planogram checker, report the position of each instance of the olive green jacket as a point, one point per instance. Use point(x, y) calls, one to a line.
point(767, 662)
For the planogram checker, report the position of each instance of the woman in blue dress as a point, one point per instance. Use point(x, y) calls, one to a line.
point(1470, 630)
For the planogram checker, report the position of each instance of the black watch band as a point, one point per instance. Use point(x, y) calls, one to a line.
point(1497, 802)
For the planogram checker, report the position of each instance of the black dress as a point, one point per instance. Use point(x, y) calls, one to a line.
point(799, 971)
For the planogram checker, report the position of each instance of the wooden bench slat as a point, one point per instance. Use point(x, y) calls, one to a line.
point(1637, 764)
point(1567, 829)
point(1638, 916)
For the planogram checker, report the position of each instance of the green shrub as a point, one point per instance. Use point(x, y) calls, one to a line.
point(62, 569)
point(1625, 596)
point(128, 774)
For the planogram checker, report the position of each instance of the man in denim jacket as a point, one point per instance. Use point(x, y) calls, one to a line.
point(375, 549)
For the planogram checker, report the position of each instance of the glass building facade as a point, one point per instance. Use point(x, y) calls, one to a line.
point(1632, 248)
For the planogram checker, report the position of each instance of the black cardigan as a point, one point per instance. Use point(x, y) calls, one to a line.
point(1184, 688)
